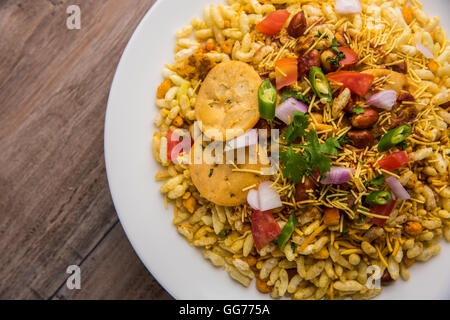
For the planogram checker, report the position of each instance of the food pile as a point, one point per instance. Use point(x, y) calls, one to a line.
point(359, 91)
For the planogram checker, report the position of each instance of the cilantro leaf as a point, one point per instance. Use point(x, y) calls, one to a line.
point(358, 110)
point(339, 54)
point(334, 43)
point(296, 165)
point(317, 159)
point(319, 34)
point(378, 181)
point(297, 95)
point(224, 233)
point(331, 146)
point(297, 127)
point(344, 140)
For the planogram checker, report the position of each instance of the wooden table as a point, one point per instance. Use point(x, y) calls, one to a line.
point(55, 205)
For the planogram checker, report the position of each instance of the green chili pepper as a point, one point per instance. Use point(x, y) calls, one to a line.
point(394, 137)
point(379, 198)
point(267, 99)
point(287, 231)
point(320, 84)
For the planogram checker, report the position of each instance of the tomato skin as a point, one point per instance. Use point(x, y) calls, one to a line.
point(289, 67)
point(273, 23)
point(264, 228)
point(394, 161)
point(358, 83)
point(176, 145)
point(350, 57)
point(382, 210)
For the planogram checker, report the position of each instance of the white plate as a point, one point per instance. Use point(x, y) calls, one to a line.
point(180, 268)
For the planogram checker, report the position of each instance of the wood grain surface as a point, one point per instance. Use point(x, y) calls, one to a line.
point(55, 206)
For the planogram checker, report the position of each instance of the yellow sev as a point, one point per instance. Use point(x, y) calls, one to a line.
point(311, 237)
point(351, 251)
point(381, 257)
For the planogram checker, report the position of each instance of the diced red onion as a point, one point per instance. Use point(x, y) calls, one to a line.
point(338, 175)
point(424, 50)
point(348, 6)
point(252, 199)
point(384, 100)
point(247, 139)
point(265, 198)
point(285, 111)
point(397, 188)
point(268, 198)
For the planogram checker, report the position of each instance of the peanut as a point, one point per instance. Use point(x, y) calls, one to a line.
point(302, 187)
point(366, 119)
point(298, 25)
point(361, 138)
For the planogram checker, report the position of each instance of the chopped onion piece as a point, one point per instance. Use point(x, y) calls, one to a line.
point(265, 198)
point(424, 50)
point(338, 175)
point(348, 6)
point(397, 188)
point(252, 199)
point(247, 139)
point(285, 111)
point(268, 198)
point(384, 100)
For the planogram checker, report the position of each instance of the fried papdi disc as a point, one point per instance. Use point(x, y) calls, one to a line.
point(221, 185)
point(228, 100)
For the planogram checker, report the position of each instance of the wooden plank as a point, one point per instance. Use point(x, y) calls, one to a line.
point(54, 201)
point(114, 272)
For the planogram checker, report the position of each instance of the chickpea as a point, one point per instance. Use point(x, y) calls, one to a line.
point(306, 62)
point(325, 60)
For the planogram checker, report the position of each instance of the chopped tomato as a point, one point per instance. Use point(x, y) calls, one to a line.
point(273, 23)
point(350, 56)
point(286, 72)
point(264, 228)
point(382, 210)
point(394, 161)
point(176, 144)
point(358, 83)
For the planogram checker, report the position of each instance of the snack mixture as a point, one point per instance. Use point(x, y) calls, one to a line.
point(359, 91)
